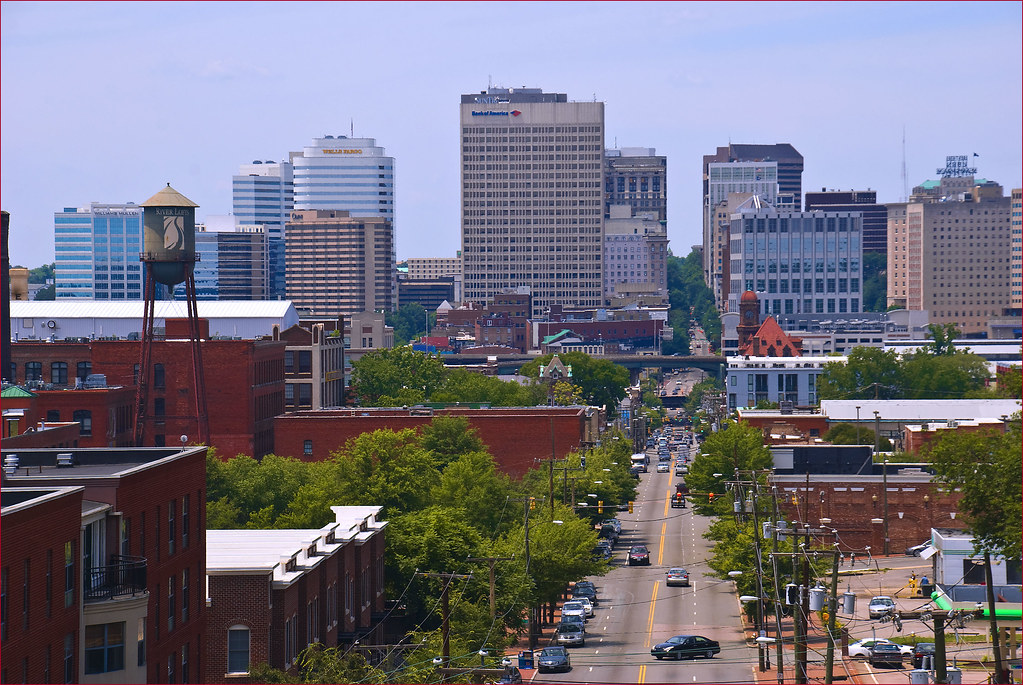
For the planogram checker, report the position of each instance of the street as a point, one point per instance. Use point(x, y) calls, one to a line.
point(637, 610)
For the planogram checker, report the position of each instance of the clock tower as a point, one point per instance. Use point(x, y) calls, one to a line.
point(749, 317)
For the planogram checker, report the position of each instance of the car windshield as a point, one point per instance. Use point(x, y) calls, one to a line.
point(552, 651)
point(677, 571)
point(639, 550)
point(572, 605)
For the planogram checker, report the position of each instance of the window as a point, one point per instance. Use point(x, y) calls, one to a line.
point(84, 417)
point(307, 447)
point(135, 374)
point(171, 602)
point(305, 395)
point(289, 361)
point(238, 649)
point(12, 370)
point(159, 406)
point(69, 658)
point(184, 595)
point(58, 373)
point(69, 574)
point(33, 371)
point(3, 603)
point(141, 642)
point(83, 370)
point(172, 509)
point(171, 659)
point(305, 361)
point(185, 506)
point(125, 536)
point(104, 648)
point(159, 376)
point(184, 663)
point(53, 415)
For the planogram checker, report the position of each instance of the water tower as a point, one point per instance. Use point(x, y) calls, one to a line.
point(168, 253)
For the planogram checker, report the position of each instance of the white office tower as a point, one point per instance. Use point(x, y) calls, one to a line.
point(350, 174)
point(532, 196)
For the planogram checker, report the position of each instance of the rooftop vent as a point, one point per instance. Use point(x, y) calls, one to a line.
point(11, 464)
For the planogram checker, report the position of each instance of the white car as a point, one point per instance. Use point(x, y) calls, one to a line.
point(861, 649)
point(663, 467)
point(587, 604)
point(574, 608)
point(882, 605)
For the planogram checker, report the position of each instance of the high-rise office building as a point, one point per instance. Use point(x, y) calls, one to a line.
point(1016, 256)
point(635, 257)
point(97, 252)
point(949, 252)
point(339, 264)
point(532, 196)
point(233, 263)
point(796, 262)
point(263, 193)
point(875, 216)
point(342, 173)
point(638, 177)
point(772, 172)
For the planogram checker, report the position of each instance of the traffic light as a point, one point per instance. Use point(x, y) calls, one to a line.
point(532, 503)
point(600, 506)
point(710, 496)
point(630, 506)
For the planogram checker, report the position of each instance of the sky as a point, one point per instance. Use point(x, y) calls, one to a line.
point(108, 102)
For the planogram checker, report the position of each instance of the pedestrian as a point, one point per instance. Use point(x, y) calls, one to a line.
point(923, 580)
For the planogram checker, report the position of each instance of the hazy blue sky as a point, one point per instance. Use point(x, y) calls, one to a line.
point(107, 102)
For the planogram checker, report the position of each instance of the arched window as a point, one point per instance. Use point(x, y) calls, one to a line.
point(159, 377)
point(33, 371)
point(238, 649)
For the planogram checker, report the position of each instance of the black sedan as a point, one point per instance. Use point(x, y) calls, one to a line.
point(685, 647)
point(553, 659)
point(638, 554)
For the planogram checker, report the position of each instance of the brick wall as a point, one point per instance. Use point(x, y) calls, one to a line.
point(36, 536)
point(237, 600)
point(516, 437)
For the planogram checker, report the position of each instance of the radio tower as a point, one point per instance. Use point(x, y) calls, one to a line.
point(168, 229)
point(905, 178)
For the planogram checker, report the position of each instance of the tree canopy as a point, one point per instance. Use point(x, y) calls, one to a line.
point(600, 382)
point(987, 467)
point(736, 446)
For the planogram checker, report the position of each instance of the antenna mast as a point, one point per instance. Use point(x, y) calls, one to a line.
point(905, 178)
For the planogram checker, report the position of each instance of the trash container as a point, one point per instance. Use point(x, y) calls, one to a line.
point(926, 589)
point(955, 675)
point(919, 675)
point(526, 659)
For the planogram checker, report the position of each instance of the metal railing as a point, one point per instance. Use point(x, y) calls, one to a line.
point(124, 576)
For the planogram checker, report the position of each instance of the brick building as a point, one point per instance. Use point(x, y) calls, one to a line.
point(244, 389)
point(917, 436)
point(134, 560)
point(40, 636)
point(273, 592)
point(314, 367)
point(313, 435)
point(854, 505)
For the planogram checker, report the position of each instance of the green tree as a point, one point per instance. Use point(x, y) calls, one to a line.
point(985, 466)
point(409, 322)
point(875, 282)
point(473, 482)
point(45, 293)
point(449, 437)
point(948, 375)
point(736, 446)
point(379, 377)
point(463, 385)
point(319, 664)
point(869, 372)
point(601, 382)
point(849, 434)
point(942, 338)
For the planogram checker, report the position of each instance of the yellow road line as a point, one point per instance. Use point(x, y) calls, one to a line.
point(642, 674)
point(660, 546)
point(667, 501)
point(650, 618)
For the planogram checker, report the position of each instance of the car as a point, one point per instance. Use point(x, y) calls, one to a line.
point(685, 646)
point(570, 635)
point(602, 552)
point(915, 550)
point(885, 653)
point(664, 457)
point(553, 659)
point(923, 652)
point(511, 675)
point(578, 620)
point(882, 605)
point(681, 469)
point(634, 471)
point(586, 583)
point(586, 603)
point(571, 608)
point(608, 532)
point(587, 593)
point(663, 467)
point(677, 576)
point(639, 554)
point(861, 649)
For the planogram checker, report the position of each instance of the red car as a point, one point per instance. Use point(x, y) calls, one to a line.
point(638, 554)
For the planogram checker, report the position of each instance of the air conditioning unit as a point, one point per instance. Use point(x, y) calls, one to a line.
point(952, 423)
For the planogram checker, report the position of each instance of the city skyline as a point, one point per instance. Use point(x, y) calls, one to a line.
point(95, 92)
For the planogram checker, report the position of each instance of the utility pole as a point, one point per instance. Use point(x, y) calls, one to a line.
point(532, 608)
point(777, 592)
point(996, 637)
point(797, 637)
point(491, 561)
point(445, 627)
point(829, 660)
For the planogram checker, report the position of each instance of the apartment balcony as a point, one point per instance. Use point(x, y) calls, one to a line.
point(124, 577)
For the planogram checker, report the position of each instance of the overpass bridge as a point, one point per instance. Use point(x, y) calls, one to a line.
point(508, 364)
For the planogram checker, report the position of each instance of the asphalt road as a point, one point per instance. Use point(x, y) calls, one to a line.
point(637, 610)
